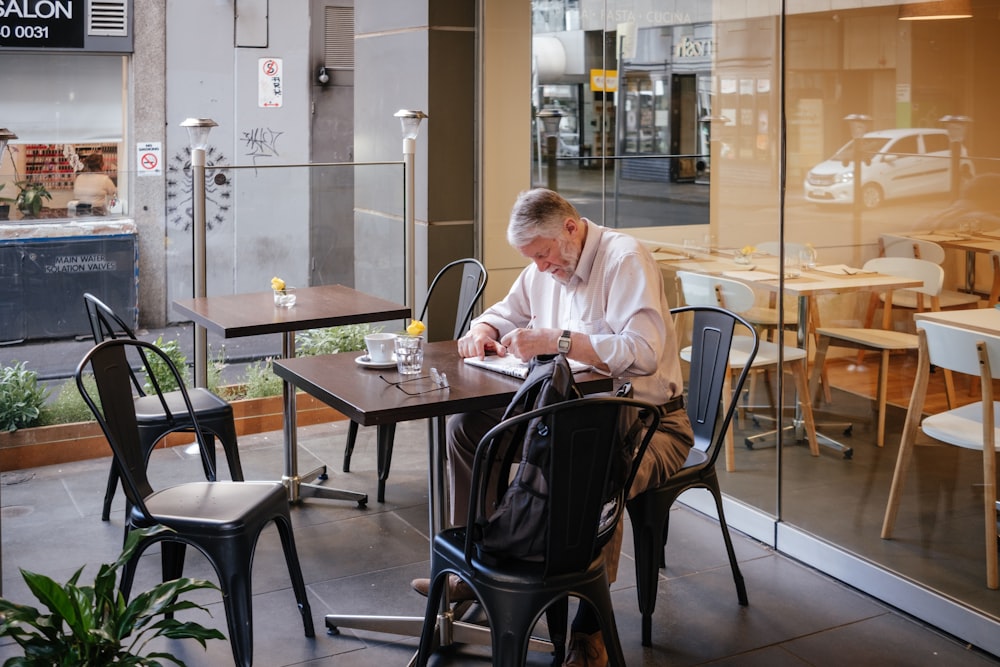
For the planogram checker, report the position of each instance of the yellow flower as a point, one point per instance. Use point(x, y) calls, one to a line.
point(747, 250)
point(415, 328)
point(277, 284)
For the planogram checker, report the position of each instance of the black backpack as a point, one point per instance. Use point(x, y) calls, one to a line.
point(516, 529)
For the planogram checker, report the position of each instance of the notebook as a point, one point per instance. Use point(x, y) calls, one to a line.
point(511, 365)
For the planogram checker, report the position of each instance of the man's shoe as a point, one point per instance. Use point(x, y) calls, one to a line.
point(458, 590)
point(586, 651)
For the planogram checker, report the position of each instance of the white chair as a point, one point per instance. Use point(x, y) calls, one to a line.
point(972, 426)
point(703, 290)
point(892, 245)
point(884, 340)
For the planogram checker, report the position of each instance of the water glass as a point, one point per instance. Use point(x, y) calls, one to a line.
point(409, 354)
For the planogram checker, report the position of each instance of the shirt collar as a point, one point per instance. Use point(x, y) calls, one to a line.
point(588, 253)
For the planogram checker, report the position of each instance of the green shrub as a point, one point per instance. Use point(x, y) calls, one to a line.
point(68, 406)
point(160, 370)
point(331, 340)
point(260, 380)
point(21, 397)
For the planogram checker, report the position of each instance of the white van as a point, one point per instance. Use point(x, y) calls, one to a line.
point(895, 163)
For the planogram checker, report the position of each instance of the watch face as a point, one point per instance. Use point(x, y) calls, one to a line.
point(564, 343)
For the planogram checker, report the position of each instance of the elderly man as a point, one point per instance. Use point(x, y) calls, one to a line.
point(596, 296)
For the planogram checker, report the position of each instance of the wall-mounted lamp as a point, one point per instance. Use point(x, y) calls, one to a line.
point(322, 77)
point(937, 10)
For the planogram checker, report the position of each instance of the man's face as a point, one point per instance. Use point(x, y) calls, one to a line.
point(556, 256)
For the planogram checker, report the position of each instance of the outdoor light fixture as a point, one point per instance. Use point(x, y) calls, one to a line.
point(322, 77)
point(198, 131)
point(858, 122)
point(956, 127)
point(5, 136)
point(550, 118)
point(937, 10)
point(410, 124)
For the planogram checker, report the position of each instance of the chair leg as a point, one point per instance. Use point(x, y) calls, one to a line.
point(352, 435)
point(649, 529)
point(230, 445)
point(802, 388)
point(109, 493)
point(385, 436)
point(284, 526)
point(883, 388)
point(712, 484)
point(556, 617)
point(727, 398)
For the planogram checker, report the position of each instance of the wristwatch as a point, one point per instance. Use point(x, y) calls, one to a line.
point(565, 342)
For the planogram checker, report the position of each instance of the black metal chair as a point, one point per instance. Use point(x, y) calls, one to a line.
point(471, 276)
point(514, 593)
point(162, 412)
point(221, 519)
point(649, 511)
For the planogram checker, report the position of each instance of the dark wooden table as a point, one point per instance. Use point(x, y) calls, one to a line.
point(364, 396)
point(236, 315)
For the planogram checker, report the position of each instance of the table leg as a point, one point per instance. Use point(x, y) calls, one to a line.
point(299, 486)
point(801, 339)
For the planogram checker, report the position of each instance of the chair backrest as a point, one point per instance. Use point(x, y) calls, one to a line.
point(700, 289)
point(909, 267)
point(114, 408)
point(584, 435)
point(471, 283)
point(105, 324)
point(954, 348)
point(893, 245)
point(711, 339)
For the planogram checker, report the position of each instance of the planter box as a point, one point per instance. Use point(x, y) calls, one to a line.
point(64, 443)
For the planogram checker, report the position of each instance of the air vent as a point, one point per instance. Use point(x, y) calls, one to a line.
point(338, 46)
point(107, 17)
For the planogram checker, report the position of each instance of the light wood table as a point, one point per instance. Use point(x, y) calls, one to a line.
point(810, 283)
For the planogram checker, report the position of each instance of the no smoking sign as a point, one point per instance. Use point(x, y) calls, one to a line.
point(148, 157)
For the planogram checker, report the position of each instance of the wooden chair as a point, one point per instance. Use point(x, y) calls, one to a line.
point(972, 426)
point(884, 340)
point(704, 290)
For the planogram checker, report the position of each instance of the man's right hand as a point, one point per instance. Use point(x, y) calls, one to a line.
point(481, 340)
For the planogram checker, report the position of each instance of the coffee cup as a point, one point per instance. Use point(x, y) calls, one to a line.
point(380, 346)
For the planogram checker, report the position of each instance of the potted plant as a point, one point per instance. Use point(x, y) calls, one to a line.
point(92, 626)
point(29, 199)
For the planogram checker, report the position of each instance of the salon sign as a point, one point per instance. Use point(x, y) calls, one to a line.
point(269, 84)
point(42, 23)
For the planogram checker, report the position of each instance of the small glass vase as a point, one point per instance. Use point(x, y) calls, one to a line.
point(284, 298)
point(741, 257)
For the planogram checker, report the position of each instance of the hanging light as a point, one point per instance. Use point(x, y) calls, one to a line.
point(5, 136)
point(937, 10)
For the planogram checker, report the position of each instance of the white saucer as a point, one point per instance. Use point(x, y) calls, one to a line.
point(363, 360)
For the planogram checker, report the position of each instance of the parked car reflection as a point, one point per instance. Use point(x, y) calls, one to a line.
point(895, 163)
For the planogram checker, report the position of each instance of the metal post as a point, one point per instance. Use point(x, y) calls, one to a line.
point(410, 218)
point(552, 178)
point(200, 252)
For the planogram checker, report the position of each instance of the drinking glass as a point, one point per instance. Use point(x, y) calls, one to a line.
point(409, 354)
